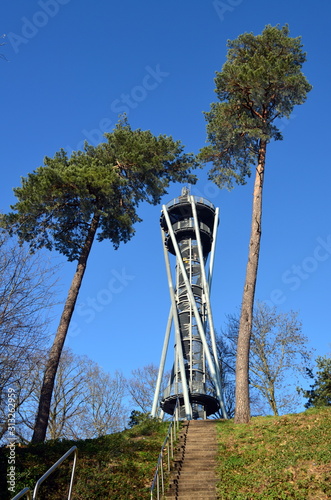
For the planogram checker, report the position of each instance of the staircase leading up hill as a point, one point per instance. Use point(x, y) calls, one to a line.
point(194, 475)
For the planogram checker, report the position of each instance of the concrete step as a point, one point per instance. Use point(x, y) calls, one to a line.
point(187, 474)
point(198, 467)
point(193, 495)
point(185, 470)
point(197, 496)
point(197, 454)
point(194, 486)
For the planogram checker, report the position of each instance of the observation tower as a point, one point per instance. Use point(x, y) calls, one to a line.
point(189, 228)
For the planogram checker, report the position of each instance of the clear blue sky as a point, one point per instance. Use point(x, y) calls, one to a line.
point(74, 65)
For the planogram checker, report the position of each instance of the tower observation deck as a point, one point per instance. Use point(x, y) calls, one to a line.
point(189, 227)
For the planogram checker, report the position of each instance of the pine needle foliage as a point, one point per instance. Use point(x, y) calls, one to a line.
point(319, 393)
point(57, 202)
point(260, 82)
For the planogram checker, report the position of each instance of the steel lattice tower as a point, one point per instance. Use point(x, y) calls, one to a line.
point(189, 229)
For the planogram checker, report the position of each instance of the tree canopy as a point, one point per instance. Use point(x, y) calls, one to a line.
point(57, 201)
point(260, 81)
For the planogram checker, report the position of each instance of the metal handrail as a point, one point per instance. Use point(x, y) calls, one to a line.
point(169, 444)
point(27, 491)
point(55, 466)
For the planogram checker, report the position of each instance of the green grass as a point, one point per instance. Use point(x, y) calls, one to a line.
point(271, 458)
point(118, 466)
point(276, 457)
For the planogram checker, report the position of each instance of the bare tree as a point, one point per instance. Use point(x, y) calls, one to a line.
point(69, 396)
point(226, 350)
point(141, 386)
point(87, 402)
point(23, 389)
point(104, 408)
point(278, 354)
point(27, 289)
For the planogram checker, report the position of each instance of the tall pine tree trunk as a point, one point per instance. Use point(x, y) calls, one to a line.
point(47, 388)
point(242, 412)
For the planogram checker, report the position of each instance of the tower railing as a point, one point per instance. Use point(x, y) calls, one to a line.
point(197, 199)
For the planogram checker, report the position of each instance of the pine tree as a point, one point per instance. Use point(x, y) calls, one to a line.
point(69, 202)
point(260, 82)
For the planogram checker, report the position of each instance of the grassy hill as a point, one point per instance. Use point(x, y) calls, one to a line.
point(271, 458)
point(113, 467)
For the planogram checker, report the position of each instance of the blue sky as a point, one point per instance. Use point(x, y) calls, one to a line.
point(74, 65)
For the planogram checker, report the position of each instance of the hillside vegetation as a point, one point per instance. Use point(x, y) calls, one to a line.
point(271, 458)
point(113, 467)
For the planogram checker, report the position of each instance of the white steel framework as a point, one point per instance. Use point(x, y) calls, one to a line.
point(189, 229)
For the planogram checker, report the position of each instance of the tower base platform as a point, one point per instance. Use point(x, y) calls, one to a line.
point(209, 403)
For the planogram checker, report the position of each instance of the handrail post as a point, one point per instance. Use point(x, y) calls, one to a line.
point(158, 486)
point(162, 474)
point(171, 441)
